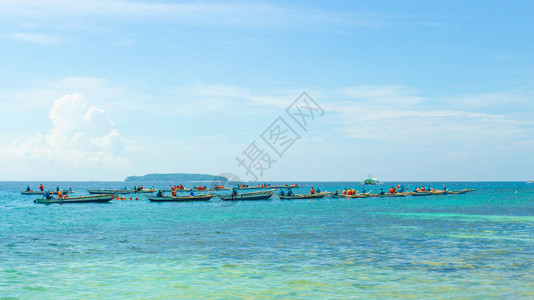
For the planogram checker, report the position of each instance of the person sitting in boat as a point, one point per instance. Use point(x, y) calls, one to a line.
point(336, 192)
point(349, 192)
point(60, 194)
point(28, 188)
point(192, 194)
point(159, 194)
point(344, 192)
point(381, 192)
point(282, 193)
point(174, 193)
point(47, 195)
point(318, 190)
point(290, 193)
point(363, 191)
point(312, 191)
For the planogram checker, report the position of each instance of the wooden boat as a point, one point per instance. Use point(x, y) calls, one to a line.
point(458, 192)
point(43, 192)
point(304, 196)
point(357, 195)
point(390, 195)
point(422, 194)
point(194, 190)
point(261, 195)
point(145, 191)
point(84, 199)
point(181, 198)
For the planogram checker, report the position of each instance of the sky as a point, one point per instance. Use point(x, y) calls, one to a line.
point(402, 90)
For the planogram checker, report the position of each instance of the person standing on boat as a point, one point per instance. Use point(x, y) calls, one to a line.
point(57, 188)
point(234, 193)
point(41, 187)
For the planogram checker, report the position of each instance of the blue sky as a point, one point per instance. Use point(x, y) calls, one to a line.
point(412, 90)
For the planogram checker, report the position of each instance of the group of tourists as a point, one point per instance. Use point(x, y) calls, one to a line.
point(41, 188)
point(350, 192)
point(177, 187)
point(394, 190)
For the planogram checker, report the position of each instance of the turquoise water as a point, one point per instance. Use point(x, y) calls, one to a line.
point(477, 245)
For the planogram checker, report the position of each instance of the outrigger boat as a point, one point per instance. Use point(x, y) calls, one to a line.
point(43, 192)
point(181, 199)
point(84, 199)
point(194, 190)
point(261, 195)
point(304, 196)
point(391, 195)
point(418, 194)
point(457, 192)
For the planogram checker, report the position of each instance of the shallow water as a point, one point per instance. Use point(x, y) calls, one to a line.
point(476, 245)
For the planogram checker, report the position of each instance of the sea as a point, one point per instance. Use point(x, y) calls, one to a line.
point(474, 245)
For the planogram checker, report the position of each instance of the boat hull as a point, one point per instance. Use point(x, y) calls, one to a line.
point(180, 199)
point(303, 196)
point(248, 197)
point(86, 199)
point(419, 194)
point(42, 193)
point(391, 195)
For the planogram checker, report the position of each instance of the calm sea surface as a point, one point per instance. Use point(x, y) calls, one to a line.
point(476, 245)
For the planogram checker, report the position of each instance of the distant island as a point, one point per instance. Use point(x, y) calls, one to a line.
point(177, 177)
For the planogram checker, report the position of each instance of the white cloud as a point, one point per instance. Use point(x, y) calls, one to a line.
point(35, 38)
point(81, 134)
point(397, 114)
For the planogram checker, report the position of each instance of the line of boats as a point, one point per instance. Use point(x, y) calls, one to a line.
point(245, 196)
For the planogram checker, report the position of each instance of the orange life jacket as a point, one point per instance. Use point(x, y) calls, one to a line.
point(174, 193)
